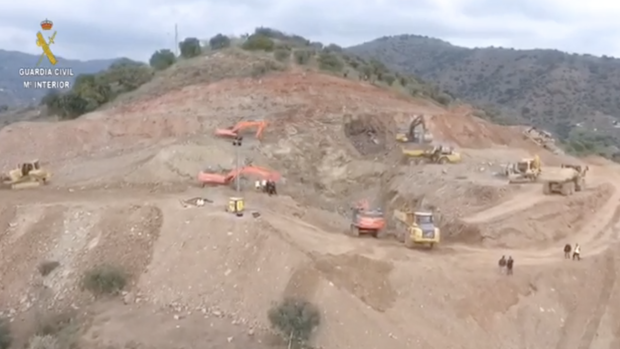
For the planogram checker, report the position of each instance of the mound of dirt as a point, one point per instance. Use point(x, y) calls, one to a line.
point(182, 163)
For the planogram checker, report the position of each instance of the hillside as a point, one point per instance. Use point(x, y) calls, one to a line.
point(577, 97)
point(12, 91)
point(116, 252)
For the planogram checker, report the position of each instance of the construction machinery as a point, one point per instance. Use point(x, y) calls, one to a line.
point(564, 180)
point(26, 175)
point(234, 131)
point(525, 170)
point(438, 154)
point(420, 228)
point(415, 133)
point(209, 178)
point(366, 221)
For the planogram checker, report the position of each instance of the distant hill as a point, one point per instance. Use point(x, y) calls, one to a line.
point(577, 97)
point(12, 92)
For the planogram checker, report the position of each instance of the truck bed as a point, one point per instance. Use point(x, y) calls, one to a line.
point(557, 174)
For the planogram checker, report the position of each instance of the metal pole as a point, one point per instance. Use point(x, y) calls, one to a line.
point(237, 144)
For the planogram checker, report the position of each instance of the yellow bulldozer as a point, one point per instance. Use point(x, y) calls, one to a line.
point(26, 175)
point(525, 170)
point(420, 228)
point(435, 155)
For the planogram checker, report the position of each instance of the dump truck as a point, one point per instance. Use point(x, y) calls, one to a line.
point(420, 228)
point(565, 180)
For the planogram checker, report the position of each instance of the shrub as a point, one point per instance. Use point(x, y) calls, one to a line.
point(302, 56)
point(219, 41)
point(264, 68)
point(258, 42)
point(104, 280)
point(282, 55)
point(389, 79)
point(190, 48)
point(162, 59)
point(46, 267)
point(5, 334)
point(295, 319)
point(330, 61)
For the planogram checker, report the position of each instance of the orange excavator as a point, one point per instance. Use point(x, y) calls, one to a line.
point(207, 178)
point(366, 220)
point(234, 131)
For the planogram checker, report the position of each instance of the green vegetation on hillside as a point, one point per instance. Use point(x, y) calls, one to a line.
point(575, 97)
point(91, 91)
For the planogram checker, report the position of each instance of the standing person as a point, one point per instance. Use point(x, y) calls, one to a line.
point(502, 264)
point(509, 264)
point(577, 252)
point(567, 250)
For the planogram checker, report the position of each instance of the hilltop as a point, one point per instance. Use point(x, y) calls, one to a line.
point(12, 92)
point(577, 97)
point(117, 252)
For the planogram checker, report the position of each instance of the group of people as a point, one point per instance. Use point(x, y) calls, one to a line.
point(268, 186)
point(506, 264)
point(576, 252)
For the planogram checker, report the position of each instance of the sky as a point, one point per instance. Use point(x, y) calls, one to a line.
point(135, 29)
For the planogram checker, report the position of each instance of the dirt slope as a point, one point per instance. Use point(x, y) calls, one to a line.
point(119, 175)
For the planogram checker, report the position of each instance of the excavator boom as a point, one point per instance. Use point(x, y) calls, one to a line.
point(240, 126)
point(206, 178)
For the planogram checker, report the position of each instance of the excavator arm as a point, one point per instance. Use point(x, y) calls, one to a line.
point(240, 126)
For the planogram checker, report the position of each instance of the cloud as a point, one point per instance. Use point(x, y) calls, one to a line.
point(135, 29)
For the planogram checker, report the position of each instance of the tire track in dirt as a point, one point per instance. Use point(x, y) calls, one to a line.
point(593, 324)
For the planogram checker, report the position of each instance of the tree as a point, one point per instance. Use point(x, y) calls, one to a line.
point(295, 319)
point(126, 75)
point(330, 61)
point(219, 41)
point(258, 42)
point(162, 59)
point(190, 48)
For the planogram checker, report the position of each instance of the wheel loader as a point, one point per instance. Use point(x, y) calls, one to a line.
point(420, 228)
point(565, 180)
point(526, 170)
point(366, 221)
point(26, 175)
point(436, 155)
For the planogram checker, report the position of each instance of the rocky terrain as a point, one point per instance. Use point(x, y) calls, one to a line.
point(200, 277)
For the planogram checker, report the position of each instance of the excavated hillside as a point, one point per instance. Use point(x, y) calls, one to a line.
point(121, 174)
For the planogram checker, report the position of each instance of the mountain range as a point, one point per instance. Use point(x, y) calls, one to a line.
point(571, 95)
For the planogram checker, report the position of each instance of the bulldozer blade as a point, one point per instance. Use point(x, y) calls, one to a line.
point(25, 185)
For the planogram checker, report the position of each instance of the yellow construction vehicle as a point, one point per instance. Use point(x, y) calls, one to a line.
point(411, 136)
point(26, 175)
point(420, 228)
point(564, 180)
point(435, 155)
point(526, 170)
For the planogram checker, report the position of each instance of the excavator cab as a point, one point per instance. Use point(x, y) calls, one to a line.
point(366, 221)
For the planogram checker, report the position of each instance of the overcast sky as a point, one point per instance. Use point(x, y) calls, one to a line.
point(134, 29)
